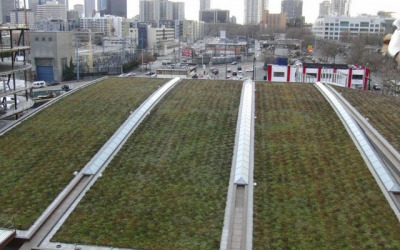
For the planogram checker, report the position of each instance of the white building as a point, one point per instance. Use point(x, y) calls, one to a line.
point(204, 4)
point(253, 10)
point(191, 30)
point(334, 27)
point(80, 8)
point(159, 10)
point(50, 10)
point(90, 7)
point(340, 7)
point(111, 26)
point(324, 8)
point(161, 40)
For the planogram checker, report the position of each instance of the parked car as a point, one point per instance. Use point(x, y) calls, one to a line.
point(66, 87)
point(132, 74)
point(233, 63)
point(376, 87)
point(53, 83)
point(249, 70)
point(150, 73)
point(38, 84)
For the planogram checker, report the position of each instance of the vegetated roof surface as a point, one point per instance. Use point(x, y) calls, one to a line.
point(167, 187)
point(313, 188)
point(382, 111)
point(38, 158)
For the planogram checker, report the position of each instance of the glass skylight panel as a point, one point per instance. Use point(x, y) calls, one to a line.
point(245, 122)
point(383, 174)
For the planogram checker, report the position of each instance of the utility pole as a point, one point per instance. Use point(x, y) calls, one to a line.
point(254, 69)
point(226, 65)
point(77, 56)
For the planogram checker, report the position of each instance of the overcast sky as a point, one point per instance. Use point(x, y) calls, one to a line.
point(236, 7)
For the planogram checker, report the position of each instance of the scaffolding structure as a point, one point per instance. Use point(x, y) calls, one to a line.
point(14, 67)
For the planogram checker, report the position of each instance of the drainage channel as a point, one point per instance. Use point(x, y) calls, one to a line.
point(376, 151)
point(237, 232)
point(66, 202)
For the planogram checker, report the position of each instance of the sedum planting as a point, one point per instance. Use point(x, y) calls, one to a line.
point(313, 189)
point(38, 158)
point(167, 187)
point(382, 111)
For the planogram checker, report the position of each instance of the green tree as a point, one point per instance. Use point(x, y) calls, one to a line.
point(68, 72)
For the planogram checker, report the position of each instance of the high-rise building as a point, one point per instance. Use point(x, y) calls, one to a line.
point(52, 10)
point(166, 9)
point(178, 11)
point(117, 8)
point(340, 7)
point(90, 7)
point(264, 4)
point(154, 11)
point(21, 18)
point(149, 11)
point(101, 5)
point(292, 8)
point(80, 9)
point(204, 4)
point(252, 11)
point(214, 16)
point(32, 4)
point(324, 8)
point(6, 7)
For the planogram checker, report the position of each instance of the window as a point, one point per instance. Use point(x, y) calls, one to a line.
point(37, 39)
point(357, 77)
point(364, 24)
point(344, 24)
point(43, 39)
point(50, 39)
point(279, 74)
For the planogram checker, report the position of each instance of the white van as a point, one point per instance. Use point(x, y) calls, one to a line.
point(38, 84)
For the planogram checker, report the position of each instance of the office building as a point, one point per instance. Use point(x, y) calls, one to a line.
point(80, 8)
point(6, 7)
point(117, 8)
point(252, 11)
point(334, 27)
point(275, 22)
point(73, 15)
point(214, 16)
point(166, 10)
point(204, 4)
point(178, 11)
point(158, 11)
point(101, 5)
point(110, 26)
point(52, 10)
point(21, 18)
point(324, 8)
point(32, 4)
point(292, 8)
point(149, 12)
point(340, 7)
point(90, 8)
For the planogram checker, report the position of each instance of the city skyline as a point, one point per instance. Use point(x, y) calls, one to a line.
point(236, 8)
